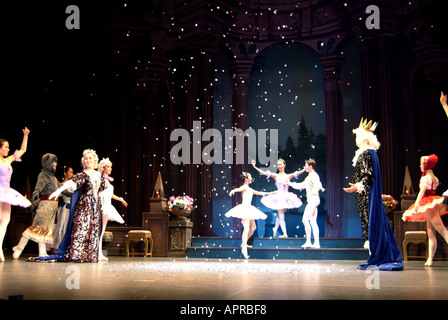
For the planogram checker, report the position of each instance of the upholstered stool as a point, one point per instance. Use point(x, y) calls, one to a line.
point(137, 236)
point(415, 237)
point(108, 236)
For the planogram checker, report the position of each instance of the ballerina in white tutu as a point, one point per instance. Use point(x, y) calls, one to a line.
point(8, 196)
point(282, 199)
point(246, 211)
point(109, 211)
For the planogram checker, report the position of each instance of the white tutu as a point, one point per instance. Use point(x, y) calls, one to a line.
point(14, 198)
point(281, 200)
point(112, 213)
point(245, 211)
point(108, 208)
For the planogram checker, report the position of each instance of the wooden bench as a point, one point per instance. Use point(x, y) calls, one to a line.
point(415, 237)
point(108, 236)
point(137, 236)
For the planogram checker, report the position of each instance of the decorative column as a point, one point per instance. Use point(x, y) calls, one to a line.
point(240, 70)
point(199, 107)
point(335, 145)
point(200, 31)
point(380, 101)
point(432, 118)
point(380, 52)
point(370, 91)
point(387, 126)
point(150, 79)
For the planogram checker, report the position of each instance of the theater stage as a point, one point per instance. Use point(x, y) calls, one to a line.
point(141, 278)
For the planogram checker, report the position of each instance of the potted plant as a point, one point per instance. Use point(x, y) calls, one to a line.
point(180, 206)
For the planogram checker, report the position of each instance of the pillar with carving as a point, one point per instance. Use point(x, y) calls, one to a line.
point(335, 145)
point(240, 71)
point(199, 109)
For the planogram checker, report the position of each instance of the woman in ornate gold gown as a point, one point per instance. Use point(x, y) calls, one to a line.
point(82, 239)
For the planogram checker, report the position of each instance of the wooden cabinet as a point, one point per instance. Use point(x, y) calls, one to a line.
point(157, 223)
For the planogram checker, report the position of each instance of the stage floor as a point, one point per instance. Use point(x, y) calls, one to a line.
point(141, 278)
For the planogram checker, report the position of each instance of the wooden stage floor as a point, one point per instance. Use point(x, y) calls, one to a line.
point(141, 278)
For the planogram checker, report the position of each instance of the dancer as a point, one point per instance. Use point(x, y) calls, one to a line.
point(109, 212)
point(82, 237)
point(363, 176)
point(445, 201)
point(281, 200)
point(63, 210)
point(428, 206)
point(312, 185)
point(444, 102)
point(41, 230)
point(366, 183)
point(9, 196)
point(246, 211)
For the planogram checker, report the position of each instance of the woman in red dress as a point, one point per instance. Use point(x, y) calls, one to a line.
point(428, 206)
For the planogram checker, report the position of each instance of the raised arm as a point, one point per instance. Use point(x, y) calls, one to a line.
point(265, 173)
point(19, 153)
point(68, 185)
point(240, 189)
point(261, 193)
point(296, 174)
point(444, 103)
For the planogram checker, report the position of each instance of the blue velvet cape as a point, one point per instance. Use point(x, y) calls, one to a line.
point(384, 251)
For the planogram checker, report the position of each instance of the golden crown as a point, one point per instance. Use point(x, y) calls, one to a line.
point(368, 126)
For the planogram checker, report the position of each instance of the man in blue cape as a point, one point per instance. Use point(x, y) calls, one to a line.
point(366, 183)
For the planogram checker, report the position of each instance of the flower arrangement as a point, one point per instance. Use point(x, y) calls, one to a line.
point(180, 203)
point(389, 202)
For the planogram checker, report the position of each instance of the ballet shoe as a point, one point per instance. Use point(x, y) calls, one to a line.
point(428, 263)
point(306, 245)
point(42, 249)
point(19, 247)
point(283, 236)
point(17, 252)
point(316, 246)
point(244, 252)
point(2, 257)
point(103, 258)
point(366, 244)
